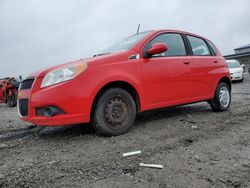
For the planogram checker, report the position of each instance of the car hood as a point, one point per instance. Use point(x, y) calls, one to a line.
point(111, 58)
point(234, 70)
point(92, 61)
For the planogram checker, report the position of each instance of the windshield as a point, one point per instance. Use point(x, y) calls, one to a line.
point(233, 64)
point(126, 43)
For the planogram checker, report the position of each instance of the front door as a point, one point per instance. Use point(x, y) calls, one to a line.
point(168, 77)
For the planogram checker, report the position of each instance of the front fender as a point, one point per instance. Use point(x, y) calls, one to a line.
point(127, 72)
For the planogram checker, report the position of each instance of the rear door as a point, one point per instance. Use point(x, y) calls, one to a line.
point(206, 67)
point(168, 77)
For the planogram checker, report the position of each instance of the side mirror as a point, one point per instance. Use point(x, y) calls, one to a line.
point(157, 48)
point(243, 66)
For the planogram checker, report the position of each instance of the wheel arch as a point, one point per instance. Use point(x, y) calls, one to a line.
point(119, 84)
point(227, 81)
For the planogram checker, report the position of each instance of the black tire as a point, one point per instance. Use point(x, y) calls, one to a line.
point(221, 105)
point(12, 99)
point(242, 79)
point(114, 112)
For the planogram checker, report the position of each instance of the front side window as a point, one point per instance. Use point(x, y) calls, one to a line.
point(199, 47)
point(174, 43)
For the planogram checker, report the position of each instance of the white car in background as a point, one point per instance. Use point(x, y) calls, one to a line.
point(235, 69)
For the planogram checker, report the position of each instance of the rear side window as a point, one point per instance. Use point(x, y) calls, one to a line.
point(213, 48)
point(174, 42)
point(199, 46)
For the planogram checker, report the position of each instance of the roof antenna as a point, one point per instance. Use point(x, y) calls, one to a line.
point(138, 28)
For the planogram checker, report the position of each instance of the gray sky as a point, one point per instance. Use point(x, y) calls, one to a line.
point(35, 34)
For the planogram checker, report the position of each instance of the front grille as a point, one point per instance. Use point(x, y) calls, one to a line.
point(27, 84)
point(23, 106)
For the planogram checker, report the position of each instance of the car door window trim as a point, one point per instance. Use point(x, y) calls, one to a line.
point(145, 48)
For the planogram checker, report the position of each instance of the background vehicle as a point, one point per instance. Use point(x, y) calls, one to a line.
point(8, 91)
point(146, 71)
point(236, 70)
point(244, 67)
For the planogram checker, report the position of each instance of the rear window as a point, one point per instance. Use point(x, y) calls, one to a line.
point(199, 46)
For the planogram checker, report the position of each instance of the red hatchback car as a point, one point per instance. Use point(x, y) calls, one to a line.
point(146, 71)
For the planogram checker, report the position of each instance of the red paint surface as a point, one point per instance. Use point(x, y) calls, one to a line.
point(159, 82)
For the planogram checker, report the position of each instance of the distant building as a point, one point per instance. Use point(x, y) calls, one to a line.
point(242, 54)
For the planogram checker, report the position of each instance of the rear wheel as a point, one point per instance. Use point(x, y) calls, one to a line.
point(222, 98)
point(12, 99)
point(114, 112)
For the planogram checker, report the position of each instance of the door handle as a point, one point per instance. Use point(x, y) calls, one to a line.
point(215, 61)
point(186, 62)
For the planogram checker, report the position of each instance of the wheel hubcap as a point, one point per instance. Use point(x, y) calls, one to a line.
point(224, 97)
point(116, 112)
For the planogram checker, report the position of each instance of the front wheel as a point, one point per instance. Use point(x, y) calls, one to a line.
point(12, 99)
point(114, 112)
point(222, 98)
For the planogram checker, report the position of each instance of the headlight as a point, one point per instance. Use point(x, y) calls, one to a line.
point(63, 74)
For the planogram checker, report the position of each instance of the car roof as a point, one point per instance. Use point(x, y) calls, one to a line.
point(178, 31)
point(159, 31)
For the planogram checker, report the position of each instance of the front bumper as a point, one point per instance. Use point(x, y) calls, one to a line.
point(64, 96)
point(59, 120)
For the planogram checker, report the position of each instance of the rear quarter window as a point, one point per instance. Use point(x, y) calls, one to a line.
point(212, 47)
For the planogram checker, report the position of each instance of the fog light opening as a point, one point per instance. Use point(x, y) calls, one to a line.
point(50, 111)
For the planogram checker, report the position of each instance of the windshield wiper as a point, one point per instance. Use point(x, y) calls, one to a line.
point(101, 54)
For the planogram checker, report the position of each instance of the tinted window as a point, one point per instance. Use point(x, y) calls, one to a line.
point(212, 47)
point(199, 47)
point(174, 42)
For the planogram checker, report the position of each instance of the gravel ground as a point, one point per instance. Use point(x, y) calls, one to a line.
point(197, 147)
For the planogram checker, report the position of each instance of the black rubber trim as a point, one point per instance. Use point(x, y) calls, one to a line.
point(27, 84)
